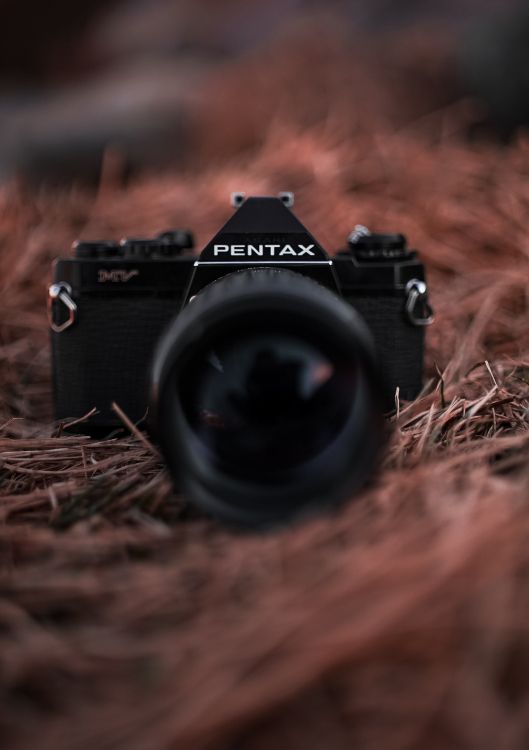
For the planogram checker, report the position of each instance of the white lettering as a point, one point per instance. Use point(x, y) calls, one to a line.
point(306, 250)
point(269, 250)
point(116, 275)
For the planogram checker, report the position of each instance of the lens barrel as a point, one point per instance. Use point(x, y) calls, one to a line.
point(266, 398)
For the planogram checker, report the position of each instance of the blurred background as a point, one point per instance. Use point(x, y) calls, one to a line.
point(128, 85)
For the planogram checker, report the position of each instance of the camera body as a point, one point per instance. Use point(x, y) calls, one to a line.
point(110, 303)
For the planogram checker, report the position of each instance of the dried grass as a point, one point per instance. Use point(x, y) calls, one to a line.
point(399, 622)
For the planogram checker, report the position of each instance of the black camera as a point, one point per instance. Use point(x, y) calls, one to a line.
point(263, 365)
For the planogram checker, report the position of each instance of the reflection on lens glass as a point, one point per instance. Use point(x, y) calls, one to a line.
point(265, 404)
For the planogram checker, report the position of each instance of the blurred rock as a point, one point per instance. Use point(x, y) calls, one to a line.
point(494, 59)
point(148, 29)
point(141, 114)
point(154, 79)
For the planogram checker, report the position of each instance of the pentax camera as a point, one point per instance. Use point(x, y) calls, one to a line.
point(263, 366)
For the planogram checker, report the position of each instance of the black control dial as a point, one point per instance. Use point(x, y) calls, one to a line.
point(96, 249)
point(168, 244)
point(371, 246)
point(179, 239)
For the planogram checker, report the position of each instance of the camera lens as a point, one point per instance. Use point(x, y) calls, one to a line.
point(266, 398)
point(262, 402)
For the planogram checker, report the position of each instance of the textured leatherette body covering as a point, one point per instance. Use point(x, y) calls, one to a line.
point(106, 356)
point(399, 344)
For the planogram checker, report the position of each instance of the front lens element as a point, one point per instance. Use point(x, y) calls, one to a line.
point(262, 404)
